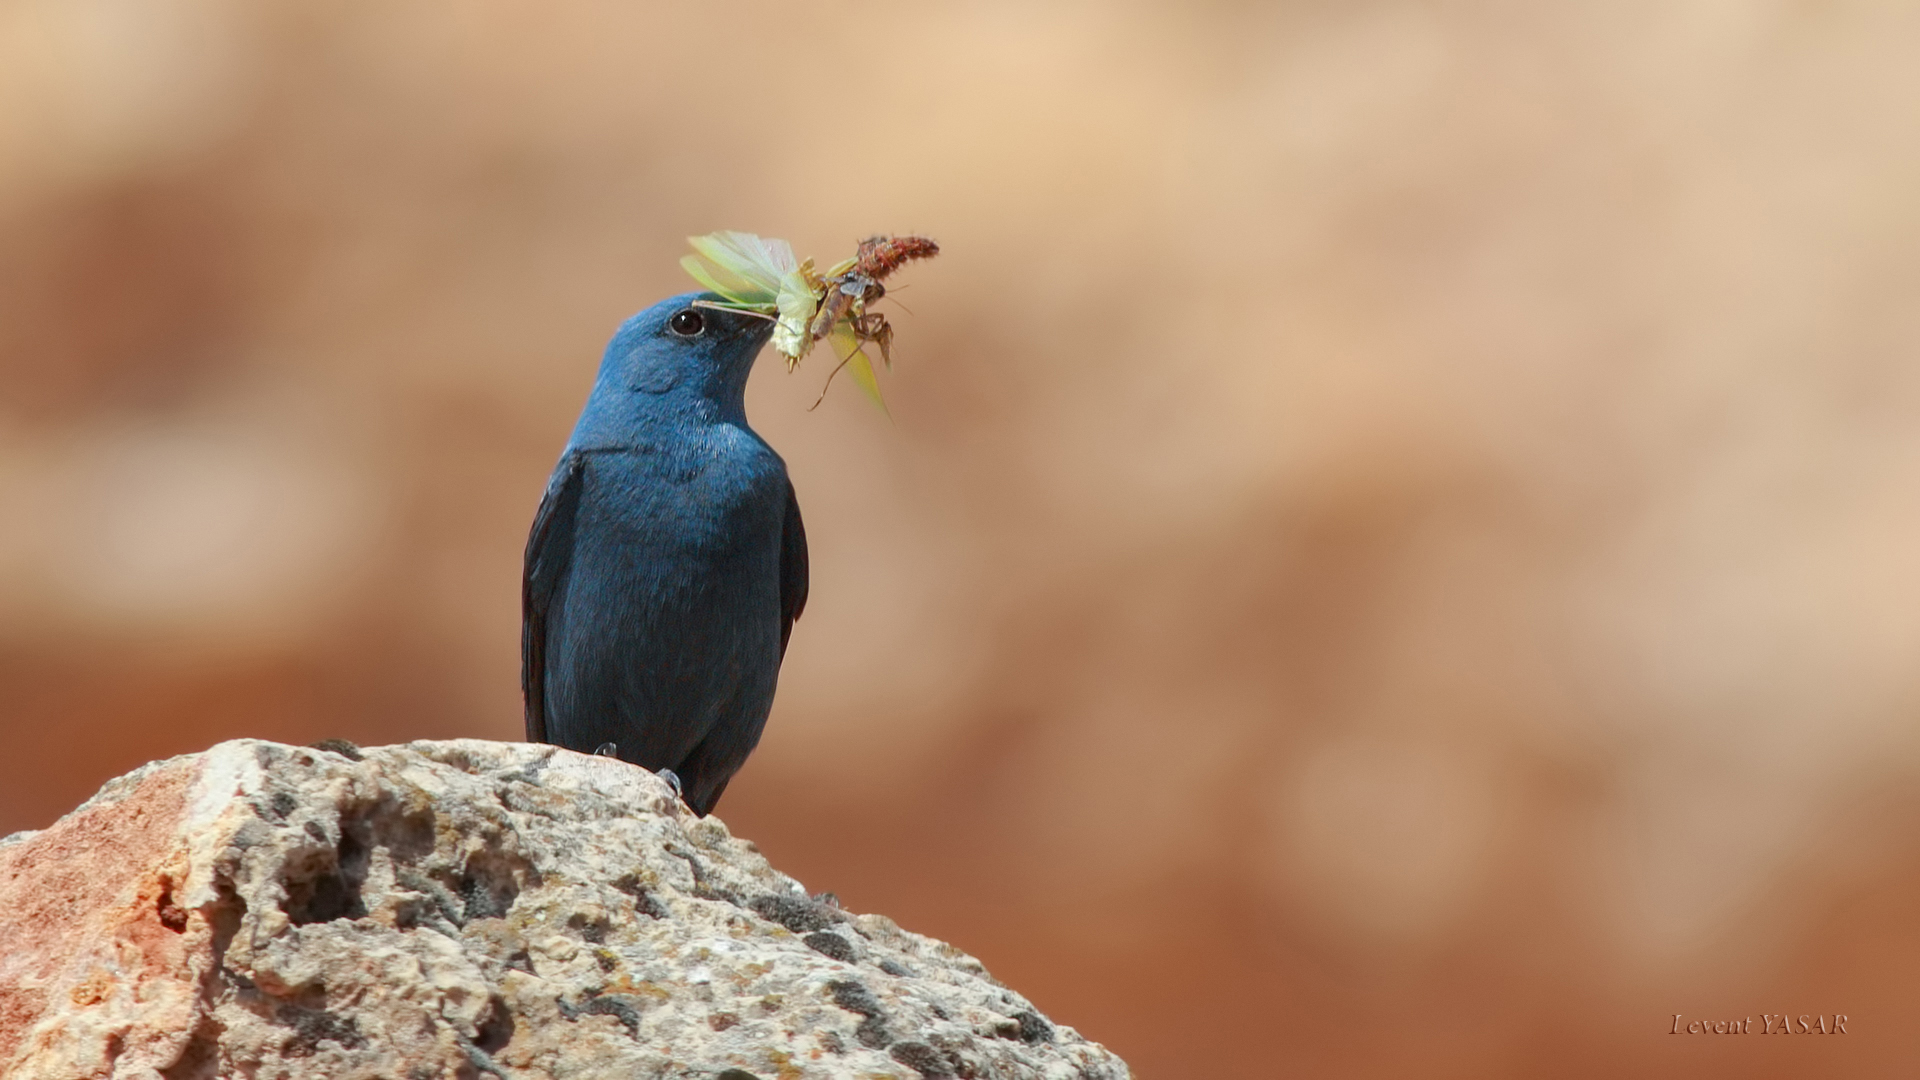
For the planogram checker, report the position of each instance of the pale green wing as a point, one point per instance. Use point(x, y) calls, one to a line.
point(847, 344)
point(728, 285)
point(740, 266)
point(862, 373)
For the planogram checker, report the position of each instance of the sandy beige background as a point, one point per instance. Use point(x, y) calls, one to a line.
point(1395, 556)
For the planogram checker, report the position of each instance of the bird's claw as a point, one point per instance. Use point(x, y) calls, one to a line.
point(673, 781)
point(607, 749)
point(345, 749)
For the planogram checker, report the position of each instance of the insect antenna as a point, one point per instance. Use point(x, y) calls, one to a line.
point(737, 310)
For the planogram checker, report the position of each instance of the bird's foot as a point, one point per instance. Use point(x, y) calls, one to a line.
point(342, 747)
point(673, 781)
point(607, 749)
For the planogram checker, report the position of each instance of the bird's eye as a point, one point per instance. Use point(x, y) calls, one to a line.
point(687, 323)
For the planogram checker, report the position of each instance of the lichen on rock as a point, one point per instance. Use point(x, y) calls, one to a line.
point(463, 909)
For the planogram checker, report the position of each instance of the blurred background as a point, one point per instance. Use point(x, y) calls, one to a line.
point(1393, 556)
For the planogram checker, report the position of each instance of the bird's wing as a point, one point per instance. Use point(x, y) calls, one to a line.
point(793, 569)
point(549, 554)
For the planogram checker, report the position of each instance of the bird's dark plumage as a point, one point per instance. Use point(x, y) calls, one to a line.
point(667, 562)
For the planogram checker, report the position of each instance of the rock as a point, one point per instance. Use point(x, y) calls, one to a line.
point(463, 909)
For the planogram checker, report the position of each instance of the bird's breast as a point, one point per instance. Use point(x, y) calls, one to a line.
point(705, 501)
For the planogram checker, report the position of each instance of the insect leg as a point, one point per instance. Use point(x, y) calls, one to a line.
point(844, 361)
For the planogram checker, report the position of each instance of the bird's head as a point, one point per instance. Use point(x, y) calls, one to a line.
point(677, 359)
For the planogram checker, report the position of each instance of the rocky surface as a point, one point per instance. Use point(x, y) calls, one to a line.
point(462, 909)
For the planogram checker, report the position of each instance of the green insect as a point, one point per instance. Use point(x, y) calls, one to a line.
point(762, 277)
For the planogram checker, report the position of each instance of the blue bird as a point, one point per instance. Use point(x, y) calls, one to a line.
point(667, 563)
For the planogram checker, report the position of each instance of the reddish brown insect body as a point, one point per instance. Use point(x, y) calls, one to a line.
point(849, 293)
point(882, 255)
point(843, 294)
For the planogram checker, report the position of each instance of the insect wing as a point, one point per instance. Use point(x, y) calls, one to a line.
point(740, 266)
point(846, 343)
point(728, 285)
